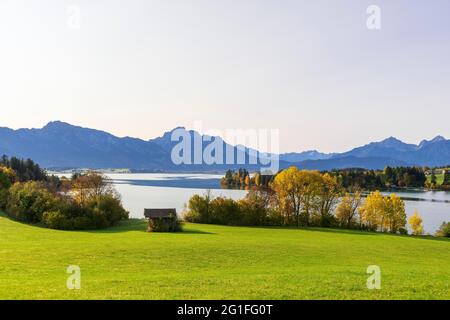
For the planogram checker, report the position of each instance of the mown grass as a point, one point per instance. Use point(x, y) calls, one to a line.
point(218, 262)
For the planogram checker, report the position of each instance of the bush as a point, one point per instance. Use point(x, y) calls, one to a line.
point(198, 209)
point(4, 193)
point(105, 211)
point(32, 202)
point(100, 212)
point(56, 220)
point(254, 210)
point(225, 211)
point(28, 201)
point(444, 230)
point(86, 202)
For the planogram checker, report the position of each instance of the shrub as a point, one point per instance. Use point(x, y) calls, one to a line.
point(99, 212)
point(198, 209)
point(86, 202)
point(252, 213)
point(4, 193)
point(444, 230)
point(225, 211)
point(28, 201)
point(105, 210)
point(254, 210)
point(56, 220)
point(32, 202)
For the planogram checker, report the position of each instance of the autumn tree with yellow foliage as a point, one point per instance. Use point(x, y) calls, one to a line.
point(384, 213)
point(329, 193)
point(415, 223)
point(371, 211)
point(289, 191)
point(303, 195)
point(394, 215)
point(346, 212)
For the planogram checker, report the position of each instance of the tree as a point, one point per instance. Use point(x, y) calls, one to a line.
point(26, 170)
point(371, 211)
point(394, 215)
point(415, 223)
point(347, 210)
point(287, 187)
point(297, 192)
point(225, 211)
point(433, 179)
point(91, 185)
point(257, 179)
point(311, 184)
point(446, 181)
point(328, 197)
point(7, 178)
point(389, 176)
point(384, 213)
point(444, 230)
point(199, 208)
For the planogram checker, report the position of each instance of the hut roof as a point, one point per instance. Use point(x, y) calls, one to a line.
point(160, 213)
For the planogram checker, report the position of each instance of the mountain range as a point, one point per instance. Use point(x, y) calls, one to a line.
point(62, 145)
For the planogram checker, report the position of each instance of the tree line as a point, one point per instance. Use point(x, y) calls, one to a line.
point(24, 169)
point(305, 198)
point(86, 201)
point(390, 177)
point(241, 179)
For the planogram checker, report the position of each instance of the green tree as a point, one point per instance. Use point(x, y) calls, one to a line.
point(446, 181)
point(433, 179)
point(199, 208)
point(444, 230)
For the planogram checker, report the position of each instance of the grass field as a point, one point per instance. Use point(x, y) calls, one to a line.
point(439, 178)
point(217, 262)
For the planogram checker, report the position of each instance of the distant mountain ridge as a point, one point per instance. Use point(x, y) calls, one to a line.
point(435, 152)
point(305, 155)
point(62, 145)
point(59, 144)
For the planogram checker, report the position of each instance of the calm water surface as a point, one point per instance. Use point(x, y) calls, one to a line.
point(154, 190)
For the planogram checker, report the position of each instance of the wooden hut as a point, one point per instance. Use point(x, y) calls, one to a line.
point(162, 220)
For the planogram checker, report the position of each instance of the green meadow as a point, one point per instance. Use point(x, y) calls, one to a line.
point(218, 262)
point(439, 178)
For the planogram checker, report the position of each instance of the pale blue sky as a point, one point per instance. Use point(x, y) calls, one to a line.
point(309, 68)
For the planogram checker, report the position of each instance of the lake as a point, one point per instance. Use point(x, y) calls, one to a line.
point(155, 190)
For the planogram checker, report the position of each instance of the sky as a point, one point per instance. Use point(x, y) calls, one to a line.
point(311, 69)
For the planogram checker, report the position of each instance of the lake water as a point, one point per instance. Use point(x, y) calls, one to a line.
point(153, 190)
